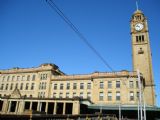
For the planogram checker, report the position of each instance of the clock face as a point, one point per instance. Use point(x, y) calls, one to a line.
point(139, 26)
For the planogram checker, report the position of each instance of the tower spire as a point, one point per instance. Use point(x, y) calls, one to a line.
point(137, 5)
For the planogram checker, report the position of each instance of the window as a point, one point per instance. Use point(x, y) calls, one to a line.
point(33, 77)
point(101, 96)
point(81, 95)
point(45, 85)
point(81, 85)
point(23, 78)
point(67, 95)
point(109, 84)
point(21, 87)
point(131, 84)
point(18, 78)
point(32, 86)
point(101, 85)
point(118, 96)
point(74, 85)
point(136, 38)
point(6, 86)
point(89, 95)
point(11, 87)
point(61, 86)
point(40, 85)
point(28, 77)
point(8, 78)
point(43, 76)
point(137, 95)
point(27, 85)
point(68, 86)
point(3, 78)
point(74, 94)
point(16, 87)
point(60, 95)
point(13, 78)
point(55, 86)
point(109, 96)
point(2, 86)
point(54, 95)
point(142, 38)
point(137, 84)
point(118, 84)
point(88, 85)
point(131, 96)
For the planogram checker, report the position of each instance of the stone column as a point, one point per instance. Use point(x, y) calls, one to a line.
point(17, 106)
point(55, 107)
point(30, 107)
point(46, 109)
point(76, 108)
point(64, 108)
point(9, 106)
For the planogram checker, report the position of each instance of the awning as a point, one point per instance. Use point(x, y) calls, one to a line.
point(122, 107)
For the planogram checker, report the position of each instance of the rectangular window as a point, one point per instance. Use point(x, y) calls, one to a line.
point(11, 87)
point(23, 78)
point(109, 96)
point(131, 96)
point(67, 95)
point(118, 96)
point(142, 38)
point(28, 77)
point(2, 86)
point(27, 85)
point(88, 85)
point(118, 85)
point(81, 85)
point(109, 84)
point(54, 95)
point(33, 77)
point(137, 39)
point(21, 87)
point(81, 95)
point(55, 86)
point(74, 94)
point(16, 87)
point(60, 95)
point(32, 86)
point(61, 86)
point(68, 86)
point(13, 78)
point(3, 78)
point(18, 78)
point(6, 86)
point(101, 85)
point(101, 96)
point(137, 95)
point(8, 78)
point(74, 85)
point(131, 84)
point(89, 95)
point(137, 84)
point(43, 76)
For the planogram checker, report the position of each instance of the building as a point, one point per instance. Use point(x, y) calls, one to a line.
point(46, 89)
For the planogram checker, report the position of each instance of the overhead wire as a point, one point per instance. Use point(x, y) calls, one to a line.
point(76, 30)
point(81, 36)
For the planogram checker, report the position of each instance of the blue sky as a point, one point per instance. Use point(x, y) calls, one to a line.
point(31, 33)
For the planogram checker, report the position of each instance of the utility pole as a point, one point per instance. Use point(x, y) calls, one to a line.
point(140, 94)
point(119, 111)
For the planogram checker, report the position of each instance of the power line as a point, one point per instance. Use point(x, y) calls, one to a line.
point(76, 30)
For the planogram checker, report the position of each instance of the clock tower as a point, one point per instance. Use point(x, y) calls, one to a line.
point(141, 52)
